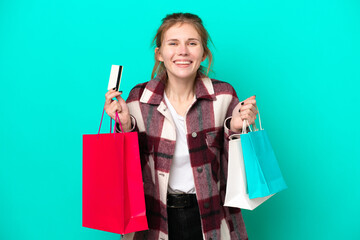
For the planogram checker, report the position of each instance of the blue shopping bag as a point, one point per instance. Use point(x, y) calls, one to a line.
point(263, 173)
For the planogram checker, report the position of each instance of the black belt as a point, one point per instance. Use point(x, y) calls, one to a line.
point(181, 200)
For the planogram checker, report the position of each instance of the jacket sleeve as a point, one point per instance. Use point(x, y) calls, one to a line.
point(133, 125)
point(232, 105)
point(134, 97)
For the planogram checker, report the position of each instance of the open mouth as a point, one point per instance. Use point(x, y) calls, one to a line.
point(182, 63)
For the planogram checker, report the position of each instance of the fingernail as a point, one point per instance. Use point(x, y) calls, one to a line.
point(242, 103)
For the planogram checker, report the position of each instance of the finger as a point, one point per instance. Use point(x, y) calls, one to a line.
point(238, 106)
point(115, 106)
point(113, 95)
point(248, 101)
point(251, 107)
point(109, 92)
point(245, 116)
point(110, 112)
point(253, 110)
point(251, 98)
point(109, 98)
point(248, 114)
point(119, 98)
point(123, 104)
point(251, 121)
point(245, 107)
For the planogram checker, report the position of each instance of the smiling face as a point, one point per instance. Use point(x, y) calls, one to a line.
point(181, 51)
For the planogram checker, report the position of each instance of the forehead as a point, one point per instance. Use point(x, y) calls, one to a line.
point(181, 31)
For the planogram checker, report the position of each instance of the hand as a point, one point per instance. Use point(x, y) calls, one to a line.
point(113, 106)
point(245, 110)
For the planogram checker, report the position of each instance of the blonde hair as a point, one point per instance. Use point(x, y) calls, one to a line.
point(169, 21)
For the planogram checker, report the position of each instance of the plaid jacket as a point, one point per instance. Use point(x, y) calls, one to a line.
point(207, 136)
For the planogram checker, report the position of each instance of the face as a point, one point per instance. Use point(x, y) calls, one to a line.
point(181, 51)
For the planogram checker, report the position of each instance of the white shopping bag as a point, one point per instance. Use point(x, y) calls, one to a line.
point(236, 188)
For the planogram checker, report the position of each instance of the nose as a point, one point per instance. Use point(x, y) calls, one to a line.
point(182, 50)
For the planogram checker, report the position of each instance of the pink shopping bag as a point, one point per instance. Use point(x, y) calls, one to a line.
point(113, 194)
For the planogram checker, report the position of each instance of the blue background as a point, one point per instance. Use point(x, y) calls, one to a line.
point(300, 58)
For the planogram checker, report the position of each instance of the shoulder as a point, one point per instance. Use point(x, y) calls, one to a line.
point(221, 88)
point(136, 92)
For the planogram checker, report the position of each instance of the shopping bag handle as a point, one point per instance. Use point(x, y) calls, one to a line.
point(243, 131)
point(234, 136)
point(116, 118)
point(246, 124)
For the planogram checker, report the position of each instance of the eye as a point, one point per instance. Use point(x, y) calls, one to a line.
point(172, 43)
point(193, 43)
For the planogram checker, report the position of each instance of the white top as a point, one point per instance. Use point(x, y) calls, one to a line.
point(181, 178)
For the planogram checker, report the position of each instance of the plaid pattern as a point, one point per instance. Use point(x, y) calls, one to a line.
point(208, 143)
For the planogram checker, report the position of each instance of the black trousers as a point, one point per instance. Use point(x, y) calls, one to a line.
point(184, 223)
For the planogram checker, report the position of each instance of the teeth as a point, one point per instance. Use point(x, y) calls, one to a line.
point(182, 62)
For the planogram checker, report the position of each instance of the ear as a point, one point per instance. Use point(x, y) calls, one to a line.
point(204, 57)
point(158, 55)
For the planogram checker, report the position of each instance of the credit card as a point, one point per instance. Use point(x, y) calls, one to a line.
point(115, 77)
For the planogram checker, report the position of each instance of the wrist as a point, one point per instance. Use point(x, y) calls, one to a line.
point(127, 126)
point(234, 127)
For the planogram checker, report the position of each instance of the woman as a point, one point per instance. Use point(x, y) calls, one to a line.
point(184, 120)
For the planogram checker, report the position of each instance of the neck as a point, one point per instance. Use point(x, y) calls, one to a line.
point(180, 90)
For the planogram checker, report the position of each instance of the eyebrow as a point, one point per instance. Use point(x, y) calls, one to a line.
point(189, 39)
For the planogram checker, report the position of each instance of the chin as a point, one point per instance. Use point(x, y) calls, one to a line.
point(185, 75)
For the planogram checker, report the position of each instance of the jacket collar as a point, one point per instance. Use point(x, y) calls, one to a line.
point(154, 89)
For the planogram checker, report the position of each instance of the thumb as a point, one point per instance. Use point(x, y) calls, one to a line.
point(122, 103)
point(119, 98)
